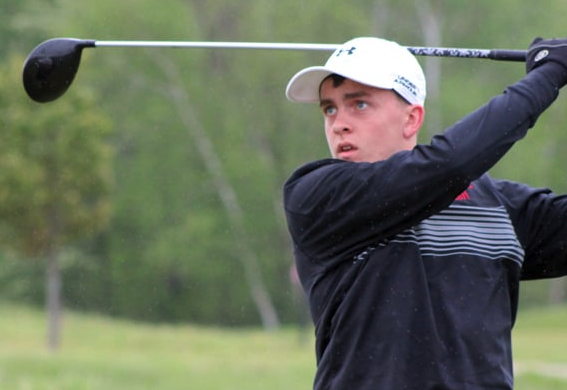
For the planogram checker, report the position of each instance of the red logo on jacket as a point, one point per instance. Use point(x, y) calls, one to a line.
point(465, 194)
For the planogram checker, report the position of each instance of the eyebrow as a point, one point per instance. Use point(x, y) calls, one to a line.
point(346, 96)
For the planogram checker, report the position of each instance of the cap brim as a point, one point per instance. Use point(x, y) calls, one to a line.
point(304, 86)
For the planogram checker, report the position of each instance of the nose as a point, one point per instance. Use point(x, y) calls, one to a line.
point(341, 124)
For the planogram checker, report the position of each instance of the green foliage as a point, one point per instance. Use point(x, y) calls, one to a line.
point(170, 251)
point(54, 168)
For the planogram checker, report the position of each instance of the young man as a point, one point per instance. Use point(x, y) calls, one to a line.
point(411, 255)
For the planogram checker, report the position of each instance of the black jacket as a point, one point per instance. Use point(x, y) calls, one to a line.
point(412, 264)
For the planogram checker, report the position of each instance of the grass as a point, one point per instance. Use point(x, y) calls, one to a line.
point(540, 349)
point(103, 354)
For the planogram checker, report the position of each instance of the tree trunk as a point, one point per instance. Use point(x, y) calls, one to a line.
point(53, 282)
point(227, 194)
point(53, 301)
point(558, 291)
point(431, 28)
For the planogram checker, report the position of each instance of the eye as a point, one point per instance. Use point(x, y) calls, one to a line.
point(361, 105)
point(329, 110)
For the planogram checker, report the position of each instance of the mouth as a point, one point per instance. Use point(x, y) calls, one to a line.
point(345, 149)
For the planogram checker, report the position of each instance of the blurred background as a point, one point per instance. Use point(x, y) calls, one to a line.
point(151, 191)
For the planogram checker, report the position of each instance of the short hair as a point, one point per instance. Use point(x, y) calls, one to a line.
point(338, 80)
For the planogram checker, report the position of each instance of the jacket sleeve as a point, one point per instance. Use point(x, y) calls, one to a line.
point(334, 208)
point(540, 220)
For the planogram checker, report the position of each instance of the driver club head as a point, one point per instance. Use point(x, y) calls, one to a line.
point(51, 67)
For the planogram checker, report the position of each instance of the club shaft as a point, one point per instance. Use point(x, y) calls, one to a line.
point(493, 54)
point(220, 45)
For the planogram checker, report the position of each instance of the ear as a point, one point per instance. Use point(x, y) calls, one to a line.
point(415, 115)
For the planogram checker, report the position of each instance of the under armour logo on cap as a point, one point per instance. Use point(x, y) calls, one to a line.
point(348, 51)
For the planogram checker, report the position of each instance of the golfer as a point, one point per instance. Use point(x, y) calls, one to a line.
point(411, 255)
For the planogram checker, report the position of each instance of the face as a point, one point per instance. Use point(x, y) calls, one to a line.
point(367, 124)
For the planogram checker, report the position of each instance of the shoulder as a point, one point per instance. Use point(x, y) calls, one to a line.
point(312, 167)
point(315, 174)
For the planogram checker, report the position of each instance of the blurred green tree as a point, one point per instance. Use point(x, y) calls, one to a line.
point(55, 177)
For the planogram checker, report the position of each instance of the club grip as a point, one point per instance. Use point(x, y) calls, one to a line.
point(508, 55)
point(494, 54)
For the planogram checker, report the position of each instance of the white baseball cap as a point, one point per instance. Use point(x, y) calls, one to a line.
point(371, 61)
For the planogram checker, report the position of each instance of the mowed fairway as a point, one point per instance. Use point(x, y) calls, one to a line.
point(105, 354)
point(102, 354)
point(540, 349)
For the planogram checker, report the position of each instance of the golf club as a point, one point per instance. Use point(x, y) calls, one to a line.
point(51, 67)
